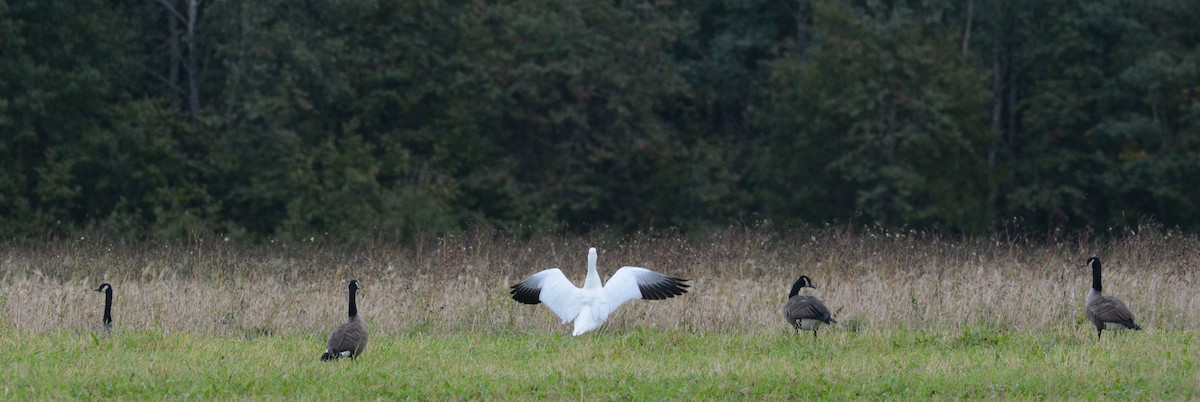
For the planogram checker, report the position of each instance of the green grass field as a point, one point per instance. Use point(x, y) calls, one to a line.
point(920, 315)
point(636, 364)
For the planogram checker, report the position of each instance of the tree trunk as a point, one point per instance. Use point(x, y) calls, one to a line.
point(801, 16)
point(193, 68)
point(176, 55)
point(191, 65)
point(997, 104)
point(966, 42)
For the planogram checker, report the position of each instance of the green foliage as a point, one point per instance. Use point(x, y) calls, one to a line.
point(389, 118)
point(881, 116)
point(1097, 94)
point(60, 111)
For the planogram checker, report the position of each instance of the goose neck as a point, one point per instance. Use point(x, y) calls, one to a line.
point(796, 288)
point(353, 307)
point(108, 298)
point(593, 277)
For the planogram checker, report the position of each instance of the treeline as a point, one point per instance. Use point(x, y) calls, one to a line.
point(358, 118)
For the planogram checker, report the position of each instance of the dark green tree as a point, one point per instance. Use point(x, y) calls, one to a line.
point(883, 117)
point(78, 149)
point(1091, 99)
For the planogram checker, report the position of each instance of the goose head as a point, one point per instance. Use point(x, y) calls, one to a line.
point(803, 282)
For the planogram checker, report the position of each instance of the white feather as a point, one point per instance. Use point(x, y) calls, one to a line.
point(342, 353)
point(588, 307)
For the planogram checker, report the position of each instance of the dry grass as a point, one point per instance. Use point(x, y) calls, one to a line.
point(873, 280)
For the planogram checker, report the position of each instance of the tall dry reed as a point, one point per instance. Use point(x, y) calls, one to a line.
point(871, 279)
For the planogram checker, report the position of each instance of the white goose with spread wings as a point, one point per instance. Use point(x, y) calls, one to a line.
point(590, 306)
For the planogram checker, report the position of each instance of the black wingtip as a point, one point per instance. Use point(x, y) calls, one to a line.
point(525, 294)
point(680, 281)
point(665, 289)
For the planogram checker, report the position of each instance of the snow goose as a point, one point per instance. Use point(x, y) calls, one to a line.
point(589, 306)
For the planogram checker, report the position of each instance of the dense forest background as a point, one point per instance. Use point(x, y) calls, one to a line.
point(358, 118)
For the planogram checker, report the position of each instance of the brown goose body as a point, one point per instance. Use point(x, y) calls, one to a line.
point(350, 338)
point(805, 312)
point(347, 340)
point(1105, 312)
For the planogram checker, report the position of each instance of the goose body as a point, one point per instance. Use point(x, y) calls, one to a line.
point(350, 338)
point(1105, 312)
point(588, 307)
point(805, 312)
point(108, 299)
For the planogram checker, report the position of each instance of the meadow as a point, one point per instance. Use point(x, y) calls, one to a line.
point(920, 315)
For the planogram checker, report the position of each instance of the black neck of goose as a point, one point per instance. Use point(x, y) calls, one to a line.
point(108, 307)
point(353, 307)
point(796, 288)
point(1096, 277)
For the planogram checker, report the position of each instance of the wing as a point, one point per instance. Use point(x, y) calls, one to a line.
point(359, 334)
point(553, 288)
point(801, 307)
point(1110, 309)
point(345, 337)
point(639, 283)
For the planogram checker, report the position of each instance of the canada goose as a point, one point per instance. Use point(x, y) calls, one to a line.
point(350, 338)
point(590, 306)
point(805, 312)
point(1105, 312)
point(107, 289)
